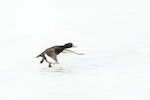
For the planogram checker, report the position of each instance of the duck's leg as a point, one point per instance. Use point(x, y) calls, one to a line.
point(49, 65)
point(44, 58)
point(42, 61)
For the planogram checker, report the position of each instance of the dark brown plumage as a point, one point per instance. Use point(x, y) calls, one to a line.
point(52, 52)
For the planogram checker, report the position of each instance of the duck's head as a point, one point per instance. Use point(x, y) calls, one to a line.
point(69, 45)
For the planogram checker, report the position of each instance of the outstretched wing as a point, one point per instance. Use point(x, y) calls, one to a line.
point(66, 50)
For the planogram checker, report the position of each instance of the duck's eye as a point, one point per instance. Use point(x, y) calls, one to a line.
point(70, 44)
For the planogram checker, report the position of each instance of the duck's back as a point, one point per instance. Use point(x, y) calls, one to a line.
point(54, 50)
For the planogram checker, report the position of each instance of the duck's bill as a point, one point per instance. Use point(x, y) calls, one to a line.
point(74, 46)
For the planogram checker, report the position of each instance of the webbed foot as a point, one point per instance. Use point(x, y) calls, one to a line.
point(49, 65)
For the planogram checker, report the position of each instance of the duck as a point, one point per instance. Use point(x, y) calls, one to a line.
point(50, 55)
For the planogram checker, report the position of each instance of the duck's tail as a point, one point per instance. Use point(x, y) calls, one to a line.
point(40, 55)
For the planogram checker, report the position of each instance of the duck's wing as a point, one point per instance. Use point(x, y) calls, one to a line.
point(55, 58)
point(66, 50)
point(51, 53)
